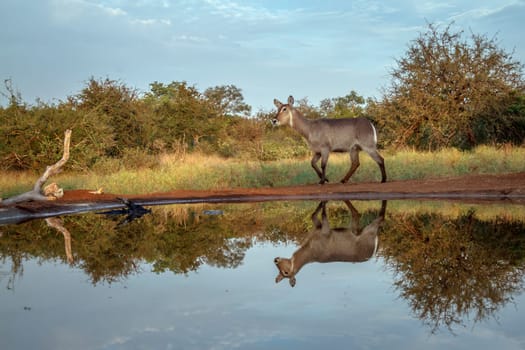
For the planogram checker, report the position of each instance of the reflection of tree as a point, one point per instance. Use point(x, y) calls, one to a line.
point(109, 252)
point(451, 270)
point(29, 240)
point(17, 270)
point(447, 269)
point(178, 240)
point(183, 247)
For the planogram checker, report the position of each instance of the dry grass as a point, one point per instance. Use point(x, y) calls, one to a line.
point(198, 171)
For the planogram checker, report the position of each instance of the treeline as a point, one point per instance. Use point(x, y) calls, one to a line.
point(111, 120)
point(446, 91)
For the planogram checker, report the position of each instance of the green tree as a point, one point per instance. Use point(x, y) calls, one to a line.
point(227, 100)
point(32, 134)
point(112, 103)
point(13, 130)
point(351, 105)
point(181, 114)
point(451, 91)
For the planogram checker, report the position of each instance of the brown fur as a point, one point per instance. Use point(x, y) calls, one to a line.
point(324, 244)
point(332, 135)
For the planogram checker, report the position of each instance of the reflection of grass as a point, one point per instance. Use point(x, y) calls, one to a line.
point(447, 210)
point(196, 171)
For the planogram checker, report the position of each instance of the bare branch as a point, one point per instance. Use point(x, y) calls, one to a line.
point(56, 168)
point(37, 194)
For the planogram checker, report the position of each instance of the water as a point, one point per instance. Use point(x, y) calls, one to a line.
point(203, 277)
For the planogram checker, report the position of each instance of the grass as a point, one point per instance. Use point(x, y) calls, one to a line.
point(197, 171)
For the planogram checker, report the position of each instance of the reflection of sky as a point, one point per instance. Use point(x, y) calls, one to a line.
point(338, 306)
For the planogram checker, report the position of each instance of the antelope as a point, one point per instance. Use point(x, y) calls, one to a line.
point(332, 135)
point(323, 244)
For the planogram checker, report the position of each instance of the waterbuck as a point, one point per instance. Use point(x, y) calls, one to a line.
point(332, 135)
point(323, 244)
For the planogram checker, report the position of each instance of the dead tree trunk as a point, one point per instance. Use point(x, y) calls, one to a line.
point(51, 191)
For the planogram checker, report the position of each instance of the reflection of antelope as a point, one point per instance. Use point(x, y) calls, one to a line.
point(332, 135)
point(324, 244)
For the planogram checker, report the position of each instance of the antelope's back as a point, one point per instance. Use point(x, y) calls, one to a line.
point(342, 245)
point(346, 132)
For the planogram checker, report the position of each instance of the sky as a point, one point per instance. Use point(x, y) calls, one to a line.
point(269, 49)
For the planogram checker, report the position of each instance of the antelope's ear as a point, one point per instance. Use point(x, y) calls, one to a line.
point(292, 281)
point(277, 103)
point(290, 100)
point(279, 278)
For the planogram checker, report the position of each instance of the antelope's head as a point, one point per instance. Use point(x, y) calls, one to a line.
point(285, 267)
point(284, 112)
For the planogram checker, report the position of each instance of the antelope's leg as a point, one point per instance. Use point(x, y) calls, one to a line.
point(354, 158)
point(354, 223)
point(315, 218)
point(314, 161)
point(380, 161)
point(324, 161)
point(324, 217)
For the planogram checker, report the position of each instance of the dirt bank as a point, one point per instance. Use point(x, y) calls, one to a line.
point(482, 187)
point(471, 188)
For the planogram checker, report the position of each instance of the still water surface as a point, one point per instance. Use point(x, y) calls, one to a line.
point(203, 277)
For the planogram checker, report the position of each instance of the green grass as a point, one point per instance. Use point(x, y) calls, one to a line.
point(196, 171)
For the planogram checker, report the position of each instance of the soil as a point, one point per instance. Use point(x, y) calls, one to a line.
point(508, 188)
point(466, 188)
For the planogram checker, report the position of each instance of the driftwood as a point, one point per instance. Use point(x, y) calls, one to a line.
point(50, 192)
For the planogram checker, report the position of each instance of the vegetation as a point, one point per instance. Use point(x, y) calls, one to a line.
point(446, 92)
point(452, 92)
point(450, 264)
point(455, 106)
point(451, 270)
point(197, 171)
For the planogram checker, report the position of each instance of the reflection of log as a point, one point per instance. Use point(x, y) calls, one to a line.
point(59, 225)
point(132, 211)
point(37, 194)
point(22, 212)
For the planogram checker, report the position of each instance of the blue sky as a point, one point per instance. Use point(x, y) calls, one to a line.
point(313, 49)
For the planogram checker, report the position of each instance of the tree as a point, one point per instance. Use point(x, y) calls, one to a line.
point(448, 91)
point(181, 114)
point(453, 269)
point(351, 105)
point(227, 100)
point(112, 103)
point(14, 120)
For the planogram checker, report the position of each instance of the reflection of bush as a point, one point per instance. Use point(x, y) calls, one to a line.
point(449, 270)
point(178, 239)
point(184, 247)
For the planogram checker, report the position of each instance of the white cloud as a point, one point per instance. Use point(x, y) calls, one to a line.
point(326, 48)
point(151, 21)
point(473, 14)
point(112, 11)
point(430, 7)
point(483, 11)
point(68, 10)
point(233, 10)
point(190, 38)
point(118, 340)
